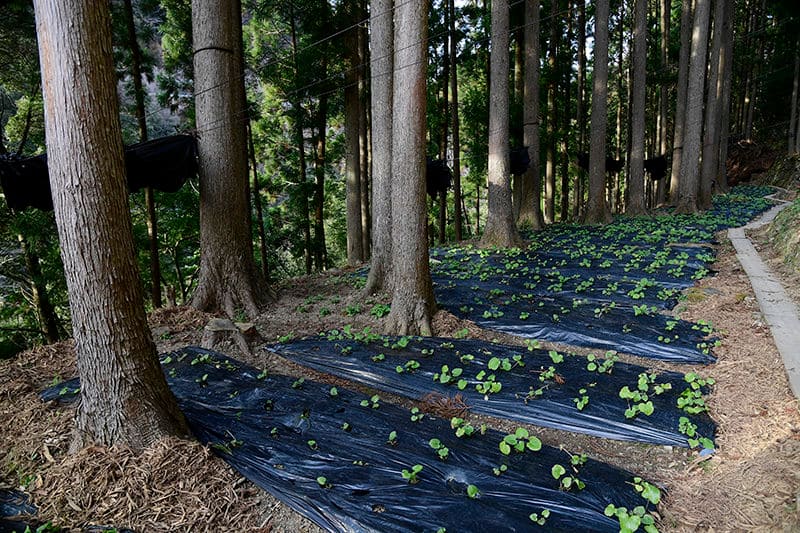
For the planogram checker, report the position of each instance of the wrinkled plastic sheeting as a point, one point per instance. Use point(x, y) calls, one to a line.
point(284, 434)
point(14, 506)
point(604, 416)
point(605, 325)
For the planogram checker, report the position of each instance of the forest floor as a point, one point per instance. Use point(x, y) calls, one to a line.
point(751, 483)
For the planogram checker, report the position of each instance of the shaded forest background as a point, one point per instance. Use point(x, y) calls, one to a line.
point(307, 73)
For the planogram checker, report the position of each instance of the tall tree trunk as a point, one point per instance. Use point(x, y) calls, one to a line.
point(302, 185)
point(727, 53)
point(413, 302)
point(531, 199)
point(45, 312)
point(124, 397)
point(622, 72)
point(566, 68)
point(445, 121)
point(381, 44)
point(141, 119)
point(352, 116)
point(457, 199)
point(363, 139)
point(792, 147)
point(580, 177)
point(500, 228)
point(680, 101)
point(711, 135)
point(256, 192)
point(320, 249)
point(596, 209)
point(663, 109)
point(228, 278)
point(552, 118)
point(690, 160)
point(635, 204)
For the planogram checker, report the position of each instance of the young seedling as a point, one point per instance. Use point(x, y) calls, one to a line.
point(498, 470)
point(410, 366)
point(473, 492)
point(298, 384)
point(566, 481)
point(373, 402)
point(631, 521)
point(416, 414)
point(334, 392)
point(463, 429)
point(312, 444)
point(520, 441)
point(441, 450)
point(541, 517)
point(392, 438)
point(322, 481)
point(411, 475)
point(582, 400)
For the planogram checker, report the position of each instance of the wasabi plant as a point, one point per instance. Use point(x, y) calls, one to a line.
point(631, 521)
point(473, 492)
point(411, 475)
point(416, 414)
point(519, 441)
point(540, 518)
point(372, 402)
point(441, 450)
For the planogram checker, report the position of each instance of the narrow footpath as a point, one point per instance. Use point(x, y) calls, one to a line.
point(779, 311)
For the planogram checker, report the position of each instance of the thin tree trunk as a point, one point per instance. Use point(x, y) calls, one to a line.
point(445, 121)
point(352, 113)
point(727, 50)
point(690, 161)
point(711, 135)
point(125, 399)
point(531, 199)
point(141, 119)
point(680, 101)
point(663, 113)
point(500, 228)
point(635, 204)
point(320, 249)
point(457, 198)
point(580, 178)
point(596, 210)
point(363, 129)
point(256, 191)
point(552, 118)
point(566, 68)
point(614, 187)
point(381, 36)
point(45, 312)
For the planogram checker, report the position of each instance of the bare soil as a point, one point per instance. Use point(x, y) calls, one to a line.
point(750, 484)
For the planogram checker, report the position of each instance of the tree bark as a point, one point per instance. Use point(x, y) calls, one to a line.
point(680, 101)
point(457, 216)
point(552, 118)
point(320, 249)
point(580, 178)
point(363, 129)
point(596, 209)
point(690, 159)
point(530, 213)
point(500, 229)
point(124, 397)
point(413, 302)
point(352, 113)
point(711, 135)
point(663, 112)
point(727, 51)
point(228, 278)
point(635, 204)
point(382, 47)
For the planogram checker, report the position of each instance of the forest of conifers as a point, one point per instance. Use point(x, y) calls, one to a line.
point(678, 79)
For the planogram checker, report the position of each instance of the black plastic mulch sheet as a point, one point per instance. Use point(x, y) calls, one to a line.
point(14, 505)
point(284, 434)
point(599, 287)
point(375, 363)
point(164, 164)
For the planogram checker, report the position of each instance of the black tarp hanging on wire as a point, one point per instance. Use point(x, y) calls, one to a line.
point(164, 164)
